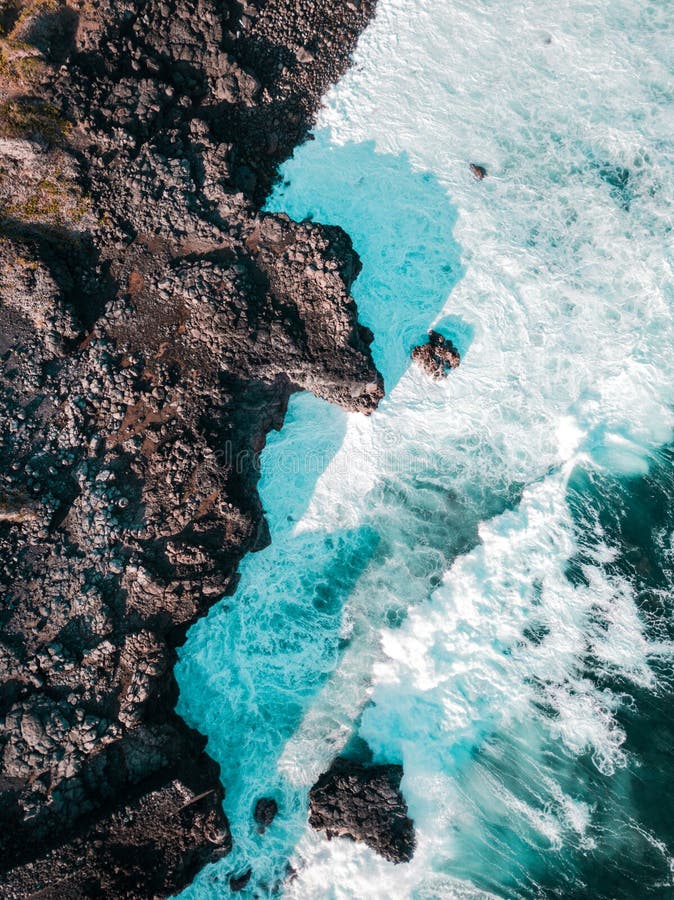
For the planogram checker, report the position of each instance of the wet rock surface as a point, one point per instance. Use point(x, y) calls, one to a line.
point(438, 356)
point(364, 803)
point(239, 882)
point(153, 324)
point(265, 812)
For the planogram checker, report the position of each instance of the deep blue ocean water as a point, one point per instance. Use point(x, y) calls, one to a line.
point(476, 581)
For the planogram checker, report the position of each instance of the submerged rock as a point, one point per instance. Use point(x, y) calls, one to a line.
point(437, 356)
point(364, 803)
point(238, 882)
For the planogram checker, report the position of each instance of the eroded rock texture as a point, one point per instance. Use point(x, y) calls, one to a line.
point(153, 324)
point(364, 803)
point(437, 356)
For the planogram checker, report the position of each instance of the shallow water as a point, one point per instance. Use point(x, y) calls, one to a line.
point(476, 580)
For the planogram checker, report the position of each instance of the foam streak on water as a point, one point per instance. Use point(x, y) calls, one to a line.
point(477, 579)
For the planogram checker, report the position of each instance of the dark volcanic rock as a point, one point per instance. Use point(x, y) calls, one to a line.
point(153, 324)
point(364, 803)
point(437, 356)
point(165, 834)
point(265, 812)
point(238, 883)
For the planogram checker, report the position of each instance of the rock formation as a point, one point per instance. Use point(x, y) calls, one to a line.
point(265, 812)
point(153, 324)
point(364, 803)
point(437, 356)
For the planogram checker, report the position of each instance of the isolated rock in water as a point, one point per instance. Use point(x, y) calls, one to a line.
point(437, 356)
point(265, 812)
point(238, 883)
point(478, 171)
point(364, 803)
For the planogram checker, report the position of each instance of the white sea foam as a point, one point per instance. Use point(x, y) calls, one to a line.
point(554, 277)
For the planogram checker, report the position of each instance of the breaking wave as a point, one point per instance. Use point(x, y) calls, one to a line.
point(477, 579)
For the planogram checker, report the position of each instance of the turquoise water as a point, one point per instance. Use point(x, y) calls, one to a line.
point(477, 580)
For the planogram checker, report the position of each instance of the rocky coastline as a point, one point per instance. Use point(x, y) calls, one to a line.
point(153, 325)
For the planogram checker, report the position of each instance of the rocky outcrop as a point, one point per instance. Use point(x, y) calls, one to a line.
point(364, 803)
point(265, 812)
point(142, 848)
point(438, 356)
point(153, 324)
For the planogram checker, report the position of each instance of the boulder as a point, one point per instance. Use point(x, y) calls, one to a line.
point(265, 812)
point(437, 356)
point(364, 803)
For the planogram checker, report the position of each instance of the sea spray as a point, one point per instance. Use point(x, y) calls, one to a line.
point(450, 582)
